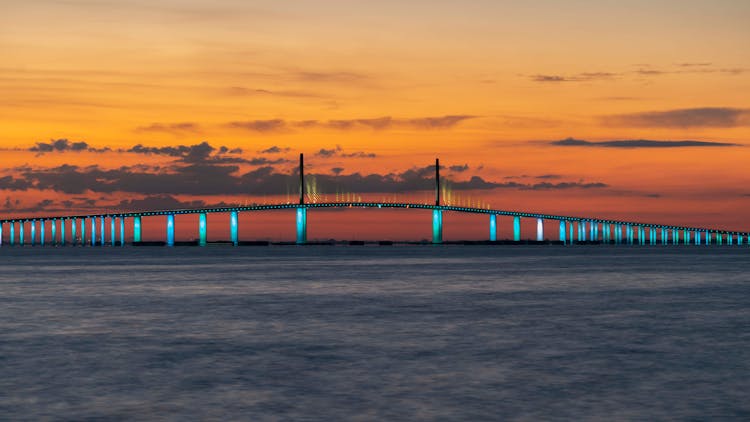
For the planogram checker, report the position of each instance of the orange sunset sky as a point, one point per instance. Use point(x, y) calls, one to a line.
point(615, 109)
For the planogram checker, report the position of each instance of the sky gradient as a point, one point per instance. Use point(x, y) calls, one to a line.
point(625, 110)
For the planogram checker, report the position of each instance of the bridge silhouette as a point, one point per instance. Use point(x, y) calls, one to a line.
point(572, 229)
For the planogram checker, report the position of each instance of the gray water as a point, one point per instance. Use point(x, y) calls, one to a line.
point(375, 333)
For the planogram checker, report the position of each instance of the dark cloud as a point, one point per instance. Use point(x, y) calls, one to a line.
point(639, 143)
point(338, 151)
point(64, 145)
point(221, 179)
point(459, 169)
point(564, 185)
point(694, 64)
point(378, 123)
point(328, 152)
point(263, 161)
point(180, 128)
point(580, 77)
point(274, 150)
point(337, 170)
point(684, 118)
point(198, 153)
point(11, 183)
point(549, 176)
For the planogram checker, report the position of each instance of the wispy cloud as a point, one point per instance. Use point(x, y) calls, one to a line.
point(339, 152)
point(180, 128)
point(683, 118)
point(579, 77)
point(638, 143)
point(378, 123)
point(263, 126)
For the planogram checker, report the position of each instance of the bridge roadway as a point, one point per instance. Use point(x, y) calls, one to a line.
point(587, 229)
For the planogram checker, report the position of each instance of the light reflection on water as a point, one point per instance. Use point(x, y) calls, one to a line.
point(387, 333)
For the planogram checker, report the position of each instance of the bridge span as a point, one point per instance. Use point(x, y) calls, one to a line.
point(72, 229)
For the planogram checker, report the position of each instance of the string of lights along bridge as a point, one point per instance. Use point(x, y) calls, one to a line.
point(71, 229)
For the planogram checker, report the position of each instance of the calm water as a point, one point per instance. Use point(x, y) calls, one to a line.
point(375, 333)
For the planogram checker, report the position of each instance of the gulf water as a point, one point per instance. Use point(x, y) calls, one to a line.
point(375, 333)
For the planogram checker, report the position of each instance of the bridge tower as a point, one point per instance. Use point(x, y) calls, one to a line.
point(437, 213)
point(301, 210)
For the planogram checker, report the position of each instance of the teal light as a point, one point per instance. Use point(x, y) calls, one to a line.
point(562, 231)
point(437, 226)
point(101, 230)
point(570, 232)
point(202, 232)
point(62, 232)
point(137, 228)
point(122, 231)
point(12, 233)
point(93, 231)
point(53, 229)
point(20, 233)
point(1, 233)
point(493, 227)
point(301, 225)
point(112, 229)
point(33, 232)
point(516, 228)
point(41, 232)
point(170, 229)
point(233, 221)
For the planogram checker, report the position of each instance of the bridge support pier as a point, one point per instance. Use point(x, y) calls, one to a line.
point(516, 228)
point(493, 227)
point(41, 232)
point(539, 229)
point(170, 229)
point(1, 234)
point(562, 232)
point(233, 223)
point(570, 232)
point(202, 235)
point(102, 240)
point(33, 232)
point(593, 230)
point(12, 233)
point(137, 228)
point(729, 238)
point(664, 235)
point(62, 231)
point(719, 238)
point(112, 239)
point(584, 225)
point(122, 231)
point(93, 231)
point(437, 226)
point(73, 234)
point(697, 237)
point(301, 225)
point(53, 232)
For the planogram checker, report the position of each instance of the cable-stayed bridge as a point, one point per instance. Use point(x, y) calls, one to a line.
point(85, 229)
